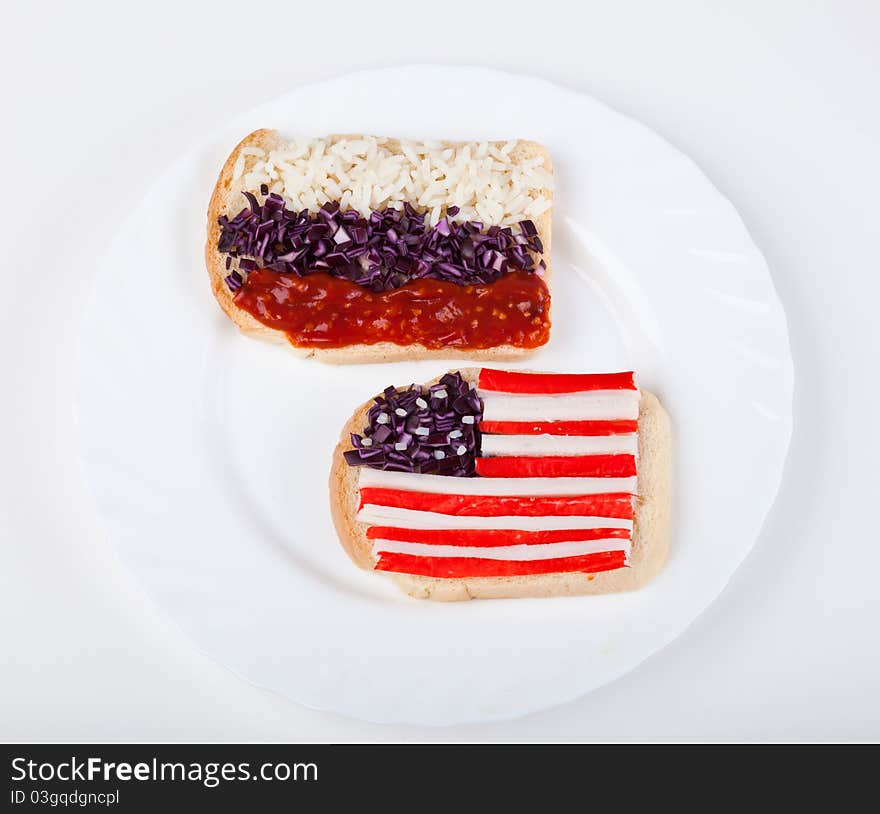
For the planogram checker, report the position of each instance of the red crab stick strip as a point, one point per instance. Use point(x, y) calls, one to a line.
point(614, 505)
point(573, 466)
point(493, 537)
point(460, 567)
point(559, 427)
point(508, 381)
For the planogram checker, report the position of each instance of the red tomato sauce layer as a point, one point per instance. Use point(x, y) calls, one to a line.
point(320, 311)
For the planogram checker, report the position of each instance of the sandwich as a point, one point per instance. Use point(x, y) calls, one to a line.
point(488, 483)
point(362, 248)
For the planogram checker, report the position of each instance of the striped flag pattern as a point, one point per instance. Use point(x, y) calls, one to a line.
point(554, 492)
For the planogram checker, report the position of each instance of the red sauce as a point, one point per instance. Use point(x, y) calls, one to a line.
point(322, 311)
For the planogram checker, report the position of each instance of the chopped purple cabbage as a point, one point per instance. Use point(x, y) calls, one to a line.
point(420, 429)
point(382, 252)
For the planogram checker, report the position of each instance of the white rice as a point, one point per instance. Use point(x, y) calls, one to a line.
point(364, 174)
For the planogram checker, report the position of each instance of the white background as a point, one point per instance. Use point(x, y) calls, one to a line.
point(779, 102)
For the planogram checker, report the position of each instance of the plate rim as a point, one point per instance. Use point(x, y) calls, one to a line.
point(199, 147)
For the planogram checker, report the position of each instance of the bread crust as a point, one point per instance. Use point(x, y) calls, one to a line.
point(650, 541)
point(224, 201)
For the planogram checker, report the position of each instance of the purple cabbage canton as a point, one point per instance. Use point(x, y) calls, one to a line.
point(431, 430)
point(382, 252)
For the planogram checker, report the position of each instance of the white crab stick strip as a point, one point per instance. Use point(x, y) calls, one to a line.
point(539, 445)
point(414, 519)
point(600, 405)
point(496, 487)
point(548, 551)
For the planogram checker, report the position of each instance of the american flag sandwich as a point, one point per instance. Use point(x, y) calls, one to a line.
point(488, 483)
point(364, 248)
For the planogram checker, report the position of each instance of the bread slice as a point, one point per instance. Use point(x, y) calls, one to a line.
point(227, 199)
point(650, 529)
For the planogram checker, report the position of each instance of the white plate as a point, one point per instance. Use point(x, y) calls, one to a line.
point(208, 453)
